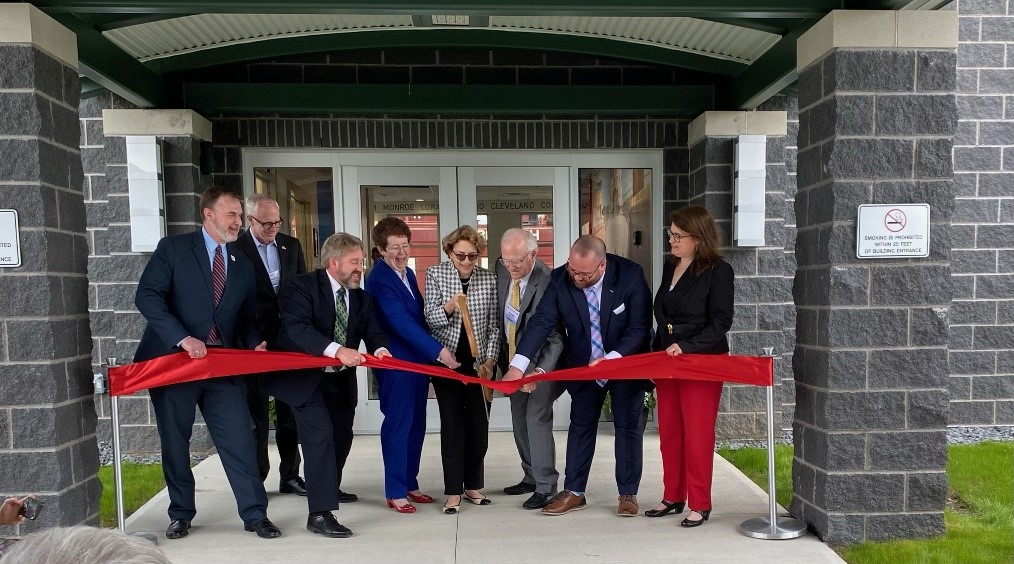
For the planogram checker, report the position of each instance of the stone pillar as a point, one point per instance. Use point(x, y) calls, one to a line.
point(116, 324)
point(762, 294)
point(876, 120)
point(47, 416)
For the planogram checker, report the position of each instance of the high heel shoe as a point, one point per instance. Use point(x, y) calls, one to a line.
point(705, 513)
point(406, 508)
point(481, 500)
point(675, 507)
point(420, 498)
point(451, 509)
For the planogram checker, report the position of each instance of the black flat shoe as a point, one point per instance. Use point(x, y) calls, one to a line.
point(346, 497)
point(264, 528)
point(674, 507)
point(325, 524)
point(178, 529)
point(705, 513)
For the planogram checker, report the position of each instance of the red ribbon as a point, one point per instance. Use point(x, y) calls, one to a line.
point(178, 368)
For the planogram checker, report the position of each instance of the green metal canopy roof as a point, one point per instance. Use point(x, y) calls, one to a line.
point(139, 48)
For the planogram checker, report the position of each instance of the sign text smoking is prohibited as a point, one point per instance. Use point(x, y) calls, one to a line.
point(893, 230)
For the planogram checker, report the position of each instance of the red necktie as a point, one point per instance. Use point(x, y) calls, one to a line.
point(218, 287)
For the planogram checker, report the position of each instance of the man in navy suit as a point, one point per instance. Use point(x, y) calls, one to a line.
point(197, 291)
point(604, 304)
point(325, 313)
point(276, 258)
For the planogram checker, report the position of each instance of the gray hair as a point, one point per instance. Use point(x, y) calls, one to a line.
point(589, 245)
point(254, 201)
point(337, 246)
point(517, 234)
point(83, 544)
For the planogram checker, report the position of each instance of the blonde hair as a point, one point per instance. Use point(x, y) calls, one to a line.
point(464, 233)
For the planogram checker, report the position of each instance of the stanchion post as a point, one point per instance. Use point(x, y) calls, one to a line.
point(772, 527)
point(114, 405)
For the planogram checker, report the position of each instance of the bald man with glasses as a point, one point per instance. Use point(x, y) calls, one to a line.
point(521, 281)
point(276, 259)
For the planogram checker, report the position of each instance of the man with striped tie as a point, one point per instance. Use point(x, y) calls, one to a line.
point(604, 304)
point(325, 313)
point(197, 291)
point(521, 281)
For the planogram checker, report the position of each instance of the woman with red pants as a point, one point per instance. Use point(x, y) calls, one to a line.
point(693, 309)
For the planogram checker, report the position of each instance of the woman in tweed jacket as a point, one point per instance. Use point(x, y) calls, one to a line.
point(464, 424)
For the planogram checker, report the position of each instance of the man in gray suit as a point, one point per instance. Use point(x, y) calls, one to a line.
point(521, 280)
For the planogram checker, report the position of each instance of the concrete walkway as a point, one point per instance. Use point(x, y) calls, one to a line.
point(501, 532)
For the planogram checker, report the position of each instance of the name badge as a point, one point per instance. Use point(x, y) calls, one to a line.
point(512, 315)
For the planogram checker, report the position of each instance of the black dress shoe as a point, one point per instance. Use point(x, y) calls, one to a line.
point(325, 524)
point(675, 507)
point(178, 529)
point(293, 485)
point(346, 497)
point(264, 528)
point(538, 501)
point(519, 489)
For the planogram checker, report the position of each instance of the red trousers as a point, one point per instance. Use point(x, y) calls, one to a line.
point(687, 411)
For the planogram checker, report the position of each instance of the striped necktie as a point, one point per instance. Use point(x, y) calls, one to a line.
point(512, 327)
point(218, 288)
point(597, 350)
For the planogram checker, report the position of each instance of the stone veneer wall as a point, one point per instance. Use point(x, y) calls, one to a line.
point(981, 356)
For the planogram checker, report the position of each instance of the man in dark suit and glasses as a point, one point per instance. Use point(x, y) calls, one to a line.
point(604, 304)
point(521, 281)
point(276, 258)
point(197, 291)
point(325, 313)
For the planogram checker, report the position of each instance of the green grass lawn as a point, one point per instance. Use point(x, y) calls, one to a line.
point(140, 483)
point(979, 518)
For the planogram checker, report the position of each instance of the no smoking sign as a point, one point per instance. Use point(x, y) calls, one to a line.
point(893, 230)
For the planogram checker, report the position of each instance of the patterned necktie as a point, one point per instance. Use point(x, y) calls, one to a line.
point(218, 288)
point(597, 350)
point(341, 317)
point(512, 327)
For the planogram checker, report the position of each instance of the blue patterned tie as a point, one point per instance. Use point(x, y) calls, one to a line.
point(597, 350)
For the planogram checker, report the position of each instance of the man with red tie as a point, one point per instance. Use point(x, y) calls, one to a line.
point(197, 291)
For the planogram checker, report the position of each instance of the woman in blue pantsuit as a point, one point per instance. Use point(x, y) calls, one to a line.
point(399, 306)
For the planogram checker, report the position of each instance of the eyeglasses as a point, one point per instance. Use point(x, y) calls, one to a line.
point(516, 262)
point(462, 256)
point(399, 248)
point(268, 224)
point(676, 236)
point(582, 275)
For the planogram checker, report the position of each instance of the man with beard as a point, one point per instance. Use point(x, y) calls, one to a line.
point(197, 291)
point(604, 304)
point(325, 313)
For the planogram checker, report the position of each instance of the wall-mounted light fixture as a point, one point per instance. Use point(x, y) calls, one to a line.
point(147, 193)
point(749, 172)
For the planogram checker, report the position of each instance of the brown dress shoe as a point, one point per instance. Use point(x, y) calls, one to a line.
point(564, 503)
point(628, 505)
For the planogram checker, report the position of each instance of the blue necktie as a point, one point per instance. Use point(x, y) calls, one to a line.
point(597, 350)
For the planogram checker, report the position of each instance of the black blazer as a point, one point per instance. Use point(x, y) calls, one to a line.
point(624, 318)
point(290, 258)
point(174, 295)
point(308, 327)
point(699, 308)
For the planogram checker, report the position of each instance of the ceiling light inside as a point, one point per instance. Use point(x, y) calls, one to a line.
point(451, 20)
